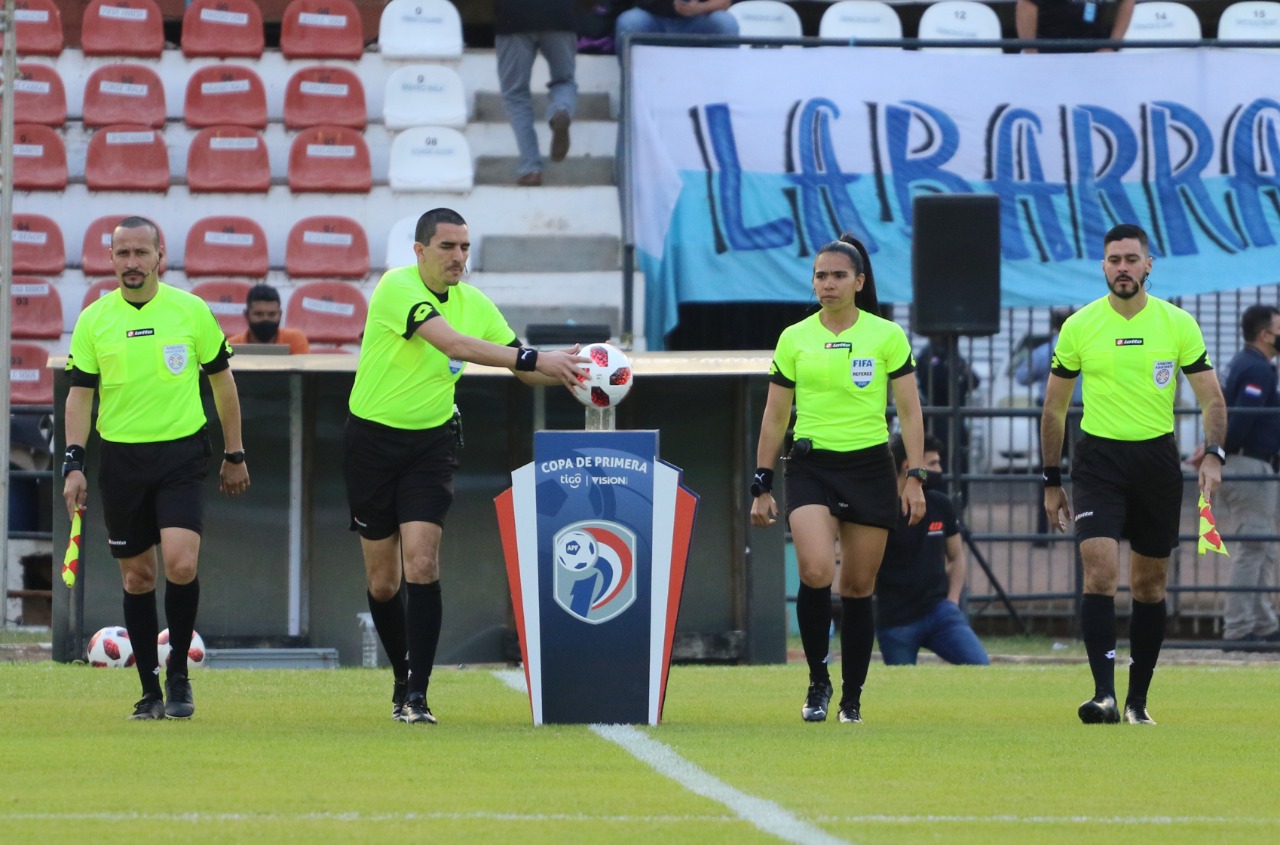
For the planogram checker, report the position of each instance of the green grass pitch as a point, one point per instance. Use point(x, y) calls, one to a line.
point(947, 754)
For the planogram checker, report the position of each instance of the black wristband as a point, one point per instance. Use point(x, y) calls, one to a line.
point(763, 481)
point(526, 359)
point(1052, 476)
point(73, 459)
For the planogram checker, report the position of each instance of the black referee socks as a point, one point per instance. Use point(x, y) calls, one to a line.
point(181, 601)
point(388, 620)
point(857, 636)
point(1098, 629)
point(425, 613)
point(144, 628)
point(813, 617)
point(1146, 636)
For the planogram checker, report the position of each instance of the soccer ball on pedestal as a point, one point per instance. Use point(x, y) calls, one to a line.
point(609, 379)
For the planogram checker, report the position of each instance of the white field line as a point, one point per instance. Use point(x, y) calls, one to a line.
point(762, 814)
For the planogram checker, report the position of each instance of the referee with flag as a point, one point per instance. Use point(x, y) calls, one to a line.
point(141, 348)
point(1129, 345)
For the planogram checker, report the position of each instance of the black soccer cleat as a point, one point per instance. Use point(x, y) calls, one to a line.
point(1135, 713)
point(178, 701)
point(416, 712)
point(1100, 710)
point(398, 693)
point(151, 707)
point(849, 714)
point(816, 702)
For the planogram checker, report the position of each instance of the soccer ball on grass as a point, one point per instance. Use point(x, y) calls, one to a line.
point(195, 654)
point(110, 648)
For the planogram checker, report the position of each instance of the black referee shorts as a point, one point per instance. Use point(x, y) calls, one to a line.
point(859, 486)
point(1125, 489)
point(395, 475)
point(149, 486)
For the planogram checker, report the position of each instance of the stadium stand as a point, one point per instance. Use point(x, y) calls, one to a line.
point(223, 29)
point(122, 28)
point(327, 247)
point(766, 19)
point(39, 158)
point(225, 94)
point(431, 158)
point(97, 290)
point(38, 28)
point(30, 379)
point(37, 309)
point(95, 249)
point(420, 29)
point(400, 240)
point(124, 157)
point(860, 19)
point(321, 29)
point(38, 95)
point(1253, 20)
point(324, 94)
point(960, 20)
point(124, 93)
point(424, 95)
point(1161, 21)
point(328, 312)
point(329, 159)
point(226, 298)
point(226, 246)
point(38, 246)
point(228, 159)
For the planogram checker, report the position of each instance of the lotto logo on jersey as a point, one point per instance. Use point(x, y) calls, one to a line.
point(595, 569)
point(1162, 373)
point(862, 370)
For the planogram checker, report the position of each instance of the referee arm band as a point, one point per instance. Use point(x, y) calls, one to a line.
point(73, 459)
point(526, 359)
point(1052, 476)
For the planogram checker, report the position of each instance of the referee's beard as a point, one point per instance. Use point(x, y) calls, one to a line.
point(1126, 294)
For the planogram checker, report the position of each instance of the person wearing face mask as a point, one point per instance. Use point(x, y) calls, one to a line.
point(1250, 507)
point(922, 577)
point(262, 313)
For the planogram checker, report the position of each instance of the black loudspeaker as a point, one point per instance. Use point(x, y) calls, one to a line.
point(955, 264)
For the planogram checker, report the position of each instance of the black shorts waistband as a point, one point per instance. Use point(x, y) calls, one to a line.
point(1153, 440)
point(198, 434)
point(377, 426)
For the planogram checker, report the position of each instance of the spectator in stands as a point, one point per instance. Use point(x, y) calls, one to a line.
point(1250, 507)
point(677, 17)
point(525, 28)
point(262, 313)
point(838, 368)
point(919, 585)
point(142, 349)
point(1072, 19)
point(399, 445)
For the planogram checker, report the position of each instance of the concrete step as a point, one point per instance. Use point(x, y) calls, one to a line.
point(550, 253)
point(490, 107)
point(573, 171)
point(587, 138)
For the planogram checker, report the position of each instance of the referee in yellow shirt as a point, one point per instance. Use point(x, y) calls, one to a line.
point(141, 347)
point(1127, 480)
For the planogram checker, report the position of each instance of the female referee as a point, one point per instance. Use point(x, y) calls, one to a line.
point(836, 366)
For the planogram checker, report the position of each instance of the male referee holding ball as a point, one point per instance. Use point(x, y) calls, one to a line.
point(1129, 345)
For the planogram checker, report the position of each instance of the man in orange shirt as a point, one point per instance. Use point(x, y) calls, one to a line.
point(262, 313)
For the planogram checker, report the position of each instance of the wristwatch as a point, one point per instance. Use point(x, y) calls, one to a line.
point(236, 457)
point(919, 474)
point(1217, 451)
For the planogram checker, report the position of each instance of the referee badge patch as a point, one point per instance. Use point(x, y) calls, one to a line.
point(862, 370)
point(175, 358)
point(1162, 373)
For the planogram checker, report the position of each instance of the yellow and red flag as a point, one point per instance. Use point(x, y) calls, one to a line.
point(71, 562)
point(1210, 539)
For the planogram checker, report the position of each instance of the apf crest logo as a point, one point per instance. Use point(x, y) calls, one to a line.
point(594, 569)
point(1162, 373)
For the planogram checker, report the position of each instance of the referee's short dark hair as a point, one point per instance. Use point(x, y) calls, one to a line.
point(428, 222)
point(899, 449)
point(261, 293)
point(1254, 319)
point(136, 222)
point(1125, 231)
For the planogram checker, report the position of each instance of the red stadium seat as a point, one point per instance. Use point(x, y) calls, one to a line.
point(124, 93)
point(39, 158)
point(329, 159)
point(38, 95)
point(122, 28)
point(327, 247)
point(97, 290)
point(37, 309)
point(95, 249)
point(30, 379)
point(231, 95)
point(228, 159)
point(226, 298)
point(226, 246)
point(322, 29)
point(38, 27)
point(324, 95)
point(124, 157)
point(328, 312)
point(222, 28)
point(38, 246)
